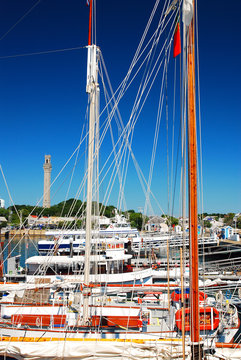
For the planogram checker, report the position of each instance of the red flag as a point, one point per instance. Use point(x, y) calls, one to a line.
point(177, 41)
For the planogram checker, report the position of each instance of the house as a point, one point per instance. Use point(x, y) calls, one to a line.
point(216, 224)
point(156, 223)
point(34, 220)
point(226, 232)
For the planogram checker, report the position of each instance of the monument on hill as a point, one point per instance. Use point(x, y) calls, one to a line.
point(47, 181)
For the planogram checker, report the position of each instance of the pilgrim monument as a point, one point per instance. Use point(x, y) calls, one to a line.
point(47, 181)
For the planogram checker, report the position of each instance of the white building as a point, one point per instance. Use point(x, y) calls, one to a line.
point(2, 203)
point(177, 229)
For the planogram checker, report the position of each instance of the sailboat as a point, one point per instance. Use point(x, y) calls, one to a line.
point(79, 328)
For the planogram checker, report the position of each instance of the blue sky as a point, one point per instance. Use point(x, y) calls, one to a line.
point(43, 99)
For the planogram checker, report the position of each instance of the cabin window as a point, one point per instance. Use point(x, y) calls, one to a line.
point(102, 269)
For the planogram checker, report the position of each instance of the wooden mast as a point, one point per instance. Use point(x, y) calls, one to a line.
point(193, 210)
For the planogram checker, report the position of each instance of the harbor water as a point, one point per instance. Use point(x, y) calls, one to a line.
point(24, 246)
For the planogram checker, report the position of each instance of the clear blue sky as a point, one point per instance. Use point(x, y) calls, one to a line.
point(43, 99)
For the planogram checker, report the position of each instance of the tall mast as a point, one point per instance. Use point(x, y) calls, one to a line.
point(92, 88)
point(90, 24)
point(193, 210)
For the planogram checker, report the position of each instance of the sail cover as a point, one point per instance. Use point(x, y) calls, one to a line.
point(101, 350)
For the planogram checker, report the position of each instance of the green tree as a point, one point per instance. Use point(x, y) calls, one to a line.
point(109, 211)
point(207, 224)
point(173, 221)
point(4, 212)
point(3, 224)
point(238, 223)
point(136, 220)
point(228, 219)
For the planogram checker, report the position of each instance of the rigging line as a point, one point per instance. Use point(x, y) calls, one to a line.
point(151, 56)
point(12, 27)
point(119, 139)
point(148, 63)
point(118, 112)
point(146, 77)
point(152, 83)
point(154, 70)
point(9, 194)
point(56, 179)
point(111, 132)
point(135, 59)
point(166, 98)
point(143, 102)
point(175, 180)
point(183, 97)
point(74, 201)
point(66, 225)
point(160, 105)
point(121, 87)
point(126, 126)
point(151, 52)
point(51, 183)
point(139, 172)
point(118, 155)
point(77, 196)
point(173, 129)
point(12, 249)
point(120, 125)
point(172, 196)
point(114, 173)
point(148, 187)
point(199, 116)
point(113, 96)
point(133, 121)
point(42, 52)
point(74, 167)
point(116, 102)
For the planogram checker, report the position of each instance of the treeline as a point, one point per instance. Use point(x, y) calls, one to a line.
point(70, 208)
point(76, 208)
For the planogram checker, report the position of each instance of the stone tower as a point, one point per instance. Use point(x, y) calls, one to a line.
point(47, 181)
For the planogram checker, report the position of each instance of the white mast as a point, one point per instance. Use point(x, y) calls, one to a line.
point(92, 88)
